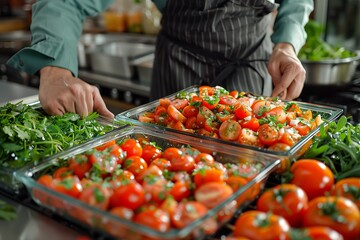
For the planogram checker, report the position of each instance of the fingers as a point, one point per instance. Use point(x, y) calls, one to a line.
point(60, 92)
point(99, 104)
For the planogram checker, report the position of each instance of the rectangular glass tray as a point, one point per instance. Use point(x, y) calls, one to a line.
point(99, 219)
point(10, 184)
point(327, 113)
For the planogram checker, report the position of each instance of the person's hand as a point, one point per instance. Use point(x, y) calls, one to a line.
point(287, 72)
point(60, 92)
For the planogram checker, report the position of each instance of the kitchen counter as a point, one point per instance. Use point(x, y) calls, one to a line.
point(14, 92)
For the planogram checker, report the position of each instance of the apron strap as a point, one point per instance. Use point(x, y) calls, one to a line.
point(228, 68)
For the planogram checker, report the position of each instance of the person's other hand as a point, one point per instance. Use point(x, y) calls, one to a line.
point(60, 92)
point(287, 72)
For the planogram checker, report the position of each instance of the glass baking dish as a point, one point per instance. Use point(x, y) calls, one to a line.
point(9, 183)
point(101, 220)
point(327, 113)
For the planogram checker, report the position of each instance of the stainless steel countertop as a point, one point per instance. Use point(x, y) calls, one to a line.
point(31, 225)
point(10, 91)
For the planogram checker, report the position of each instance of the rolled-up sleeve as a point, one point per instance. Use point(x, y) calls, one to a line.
point(55, 31)
point(290, 21)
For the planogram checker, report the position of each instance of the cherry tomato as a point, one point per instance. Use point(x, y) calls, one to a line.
point(136, 165)
point(46, 180)
point(277, 112)
point(132, 147)
point(179, 104)
point(176, 114)
point(230, 130)
point(315, 233)
point(161, 163)
point(180, 190)
point(349, 188)
point(122, 212)
point(212, 193)
point(96, 195)
point(129, 195)
point(182, 163)
point(208, 174)
point(105, 145)
point(190, 111)
point(268, 135)
point(227, 100)
point(62, 172)
point(103, 162)
point(150, 152)
point(69, 185)
point(242, 111)
point(206, 158)
point(172, 152)
point(80, 165)
point(187, 212)
point(338, 213)
point(253, 124)
point(286, 200)
point(155, 218)
point(257, 225)
point(249, 137)
point(313, 176)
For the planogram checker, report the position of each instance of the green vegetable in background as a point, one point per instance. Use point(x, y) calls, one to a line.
point(316, 48)
point(29, 135)
point(338, 146)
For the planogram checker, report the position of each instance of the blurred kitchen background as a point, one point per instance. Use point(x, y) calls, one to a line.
point(123, 41)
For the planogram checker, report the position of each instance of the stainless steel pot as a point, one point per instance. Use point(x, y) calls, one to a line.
point(330, 72)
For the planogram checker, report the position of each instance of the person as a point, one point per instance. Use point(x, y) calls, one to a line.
point(214, 42)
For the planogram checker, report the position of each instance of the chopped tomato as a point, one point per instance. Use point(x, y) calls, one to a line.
point(176, 114)
point(268, 135)
point(252, 123)
point(230, 130)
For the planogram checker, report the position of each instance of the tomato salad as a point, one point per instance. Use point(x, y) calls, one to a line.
point(235, 116)
point(164, 189)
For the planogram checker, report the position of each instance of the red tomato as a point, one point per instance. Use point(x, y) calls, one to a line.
point(234, 93)
point(80, 165)
point(207, 174)
point(159, 110)
point(268, 135)
point(316, 233)
point(161, 163)
point(279, 146)
point(96, 195)
point(176, 114)
point(116, 151)
point(242, 111)
point(230, 130)
point(154, 218)
point(252, 124)
point(349, 188)
point(150, 153)
point(132, 147)
point(46, 180)
point(191, 123)
point(249, 137)
point(136, 165)
point(182, 163)
point(206, 158)
point(172, 152)
point(227, 100)
point(179, 103)
point(338, 213)
point(187, 212)
point(190, 111)
point(212, 193)
point(259, 107)
point(105, 145)
point(206, 90)
point(122, 212)
point(180, 190)
point(277, 112)
point(236, 182)
point(156, 188)
point(129, 195)
point(69, 185)
point(258, 225)
point(313, 176)
point(62, 172)
point(165, 102)
point(303, 127)
point(105, 163)
point(286, 200)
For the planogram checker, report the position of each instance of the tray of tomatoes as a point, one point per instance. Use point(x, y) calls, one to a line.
point(261, 123)
point(139, 181)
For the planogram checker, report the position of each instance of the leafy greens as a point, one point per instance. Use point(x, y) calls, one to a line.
point(29, 135)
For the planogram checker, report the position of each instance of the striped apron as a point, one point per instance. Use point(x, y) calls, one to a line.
point(213, 42)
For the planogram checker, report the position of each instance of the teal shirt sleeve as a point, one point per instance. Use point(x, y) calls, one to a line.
point(160, 4)
point(290, 21)
point(55, 31)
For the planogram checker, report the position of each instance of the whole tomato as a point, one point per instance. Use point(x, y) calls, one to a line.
point(313, 176)
point(257, 225)
point(286, 200)
point(315, 233)
point(349, 188)
point(338, 213)
point(154, 218)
